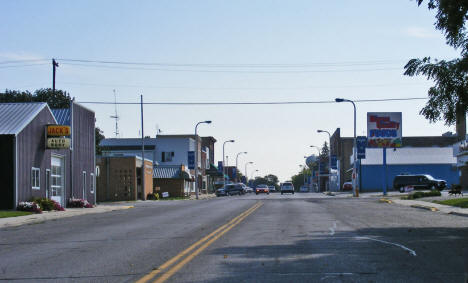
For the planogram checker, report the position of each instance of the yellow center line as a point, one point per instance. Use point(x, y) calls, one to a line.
point(178, 266)
point(168, 263)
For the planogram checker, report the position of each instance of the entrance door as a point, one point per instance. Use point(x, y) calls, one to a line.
point(57, 184)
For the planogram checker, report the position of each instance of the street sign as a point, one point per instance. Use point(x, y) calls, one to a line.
point(191, 160)
point(361, 144)
point(220, 166)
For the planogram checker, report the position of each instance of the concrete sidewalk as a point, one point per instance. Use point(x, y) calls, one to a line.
point(50, 215)
point(428, 206)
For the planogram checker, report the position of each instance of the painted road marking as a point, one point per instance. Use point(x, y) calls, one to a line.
point(410, 251)
point(213, 236)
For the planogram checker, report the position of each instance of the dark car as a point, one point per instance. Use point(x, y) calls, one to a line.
point(422, 181)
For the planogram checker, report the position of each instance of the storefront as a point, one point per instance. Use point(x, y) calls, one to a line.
point(460, 151)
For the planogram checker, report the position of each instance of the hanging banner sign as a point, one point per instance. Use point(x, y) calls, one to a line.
point(58, 130)
point(361, 144)
point(58, 143)
point(191, 159)
point(384, 129)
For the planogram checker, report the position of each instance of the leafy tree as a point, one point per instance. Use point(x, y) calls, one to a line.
point(98, 138)
point(57, 99)
point(270, 180)
point(448, 98)
point(298, 179)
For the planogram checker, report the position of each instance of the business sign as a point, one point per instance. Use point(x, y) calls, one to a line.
point(361, 144)
point(220, 166)
point(334, 162)
point(58, 143)
point(191, 160)
point(58, 130)
point(384, 129)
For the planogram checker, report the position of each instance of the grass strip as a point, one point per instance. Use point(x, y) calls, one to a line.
point(13, 213)
point(459, 202)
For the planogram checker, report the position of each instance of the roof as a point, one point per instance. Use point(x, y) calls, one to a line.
point(14, 117)
point(62, 116)
point(408, 155)
point(114, 142)
point(170, 172)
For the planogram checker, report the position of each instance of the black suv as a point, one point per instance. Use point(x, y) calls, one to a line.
point(422, 181)
point(230, 189)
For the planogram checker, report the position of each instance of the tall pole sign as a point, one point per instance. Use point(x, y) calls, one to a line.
point(384, 130)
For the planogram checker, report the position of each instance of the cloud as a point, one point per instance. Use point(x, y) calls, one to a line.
point(421, 32)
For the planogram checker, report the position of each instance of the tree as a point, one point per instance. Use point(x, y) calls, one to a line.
point(57, 99)
point(269, 180)
point(98, 138)
point(448, 98)
point(298, 179)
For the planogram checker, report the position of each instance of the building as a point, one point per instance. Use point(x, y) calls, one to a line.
point(36, 165)
point(173, 179)
point(120, 178)
point(342, 148)
point(128, 146)
point(435, 161)
point(460, 152)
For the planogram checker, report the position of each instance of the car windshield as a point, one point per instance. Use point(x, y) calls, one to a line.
point(429, 177)
point(262, 186)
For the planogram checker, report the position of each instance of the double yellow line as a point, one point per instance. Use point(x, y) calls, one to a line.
point(191, 252)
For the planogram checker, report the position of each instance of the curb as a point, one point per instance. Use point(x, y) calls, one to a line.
point(431, 208)
point(385, 200)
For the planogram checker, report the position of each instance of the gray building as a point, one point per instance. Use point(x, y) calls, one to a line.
point(29, 169)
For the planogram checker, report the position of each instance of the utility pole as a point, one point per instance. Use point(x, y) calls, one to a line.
point(142, 153)
point(54, 65)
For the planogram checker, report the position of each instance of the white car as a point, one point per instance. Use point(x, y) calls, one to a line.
point(287, 187)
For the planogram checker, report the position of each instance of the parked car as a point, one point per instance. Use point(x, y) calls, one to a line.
point(347, 186)
point(248, 189)
point(272, 188)
point(421, 181)
point(304, 189)
point(262, 189)
point(230, 190)
point(287, 187)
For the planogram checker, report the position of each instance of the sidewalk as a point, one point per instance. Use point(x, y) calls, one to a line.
point(428, 206)
point(50, 215)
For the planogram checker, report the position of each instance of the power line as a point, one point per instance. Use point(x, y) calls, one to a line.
point(24, 65)
point(253, 103)
point(23, 61)
point(232, 71)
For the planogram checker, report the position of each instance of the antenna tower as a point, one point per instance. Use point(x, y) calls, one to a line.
point(116, 117)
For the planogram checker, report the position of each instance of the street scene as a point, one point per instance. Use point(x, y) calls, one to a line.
point(245, 141)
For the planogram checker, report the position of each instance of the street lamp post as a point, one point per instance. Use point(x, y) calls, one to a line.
point(318, 181)
point(329, 156)
point(250, 162)
point(196, 155)
point(224, 177)
point(355, 189)
point(253, 173)
point(237, 160)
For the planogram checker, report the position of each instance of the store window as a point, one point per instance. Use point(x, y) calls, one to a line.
point(92, 182)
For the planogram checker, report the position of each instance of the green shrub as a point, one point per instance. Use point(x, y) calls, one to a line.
point(44, 203)
point(415, 195)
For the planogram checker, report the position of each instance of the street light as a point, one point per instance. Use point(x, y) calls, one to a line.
point(318, 181)
point(196, 155)
point(237, 159)
point(355, 190)
point(329, 156)
point(253, 173)
point(250, 162)
point(224, 177)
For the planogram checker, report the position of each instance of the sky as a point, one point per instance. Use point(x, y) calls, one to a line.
point(228, 51)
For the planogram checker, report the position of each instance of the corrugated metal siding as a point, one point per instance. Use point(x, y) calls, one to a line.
point(15, 116)
point(83, 151)
point(62, 116)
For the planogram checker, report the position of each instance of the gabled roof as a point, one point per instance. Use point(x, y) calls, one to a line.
point(14, 117)
point(62, 116)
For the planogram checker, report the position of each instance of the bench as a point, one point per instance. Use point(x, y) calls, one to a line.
point(455, 190)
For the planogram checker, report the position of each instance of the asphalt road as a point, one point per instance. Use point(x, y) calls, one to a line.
point(266, 238)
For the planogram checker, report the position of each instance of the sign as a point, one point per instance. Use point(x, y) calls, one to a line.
point(191, 160)
point(58, 130)
point(58, 143)
point(384, 129)
point(334, 162)
point(165, 194)
point(361, 144)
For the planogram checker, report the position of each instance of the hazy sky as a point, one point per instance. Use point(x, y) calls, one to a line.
point(230, 51)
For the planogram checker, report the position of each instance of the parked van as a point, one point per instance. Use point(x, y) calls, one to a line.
point(422, 181)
